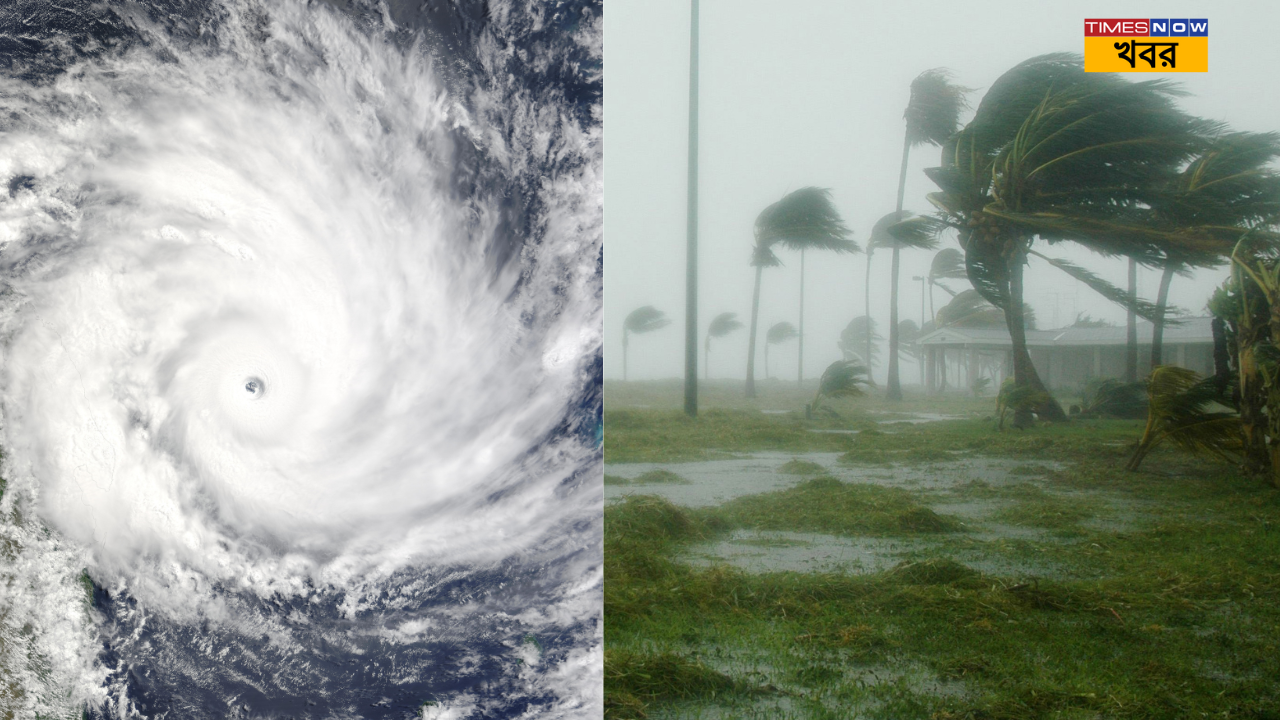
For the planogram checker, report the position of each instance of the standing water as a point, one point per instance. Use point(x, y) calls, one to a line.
point(300, 368)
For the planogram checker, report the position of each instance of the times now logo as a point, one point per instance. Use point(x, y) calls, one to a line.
point(1150, 27)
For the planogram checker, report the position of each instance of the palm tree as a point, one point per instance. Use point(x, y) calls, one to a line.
point(1228, 186)
point(842, 378)
point(641, 320)
point(802, 219)
point(948, 264)
point(781, 332)
point(969, 309)
point(722, 325)
point(1058, 154)
point(880, 238)
point(932, 116)
point(851, 339)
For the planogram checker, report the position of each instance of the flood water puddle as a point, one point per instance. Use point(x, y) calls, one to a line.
point(713, 482)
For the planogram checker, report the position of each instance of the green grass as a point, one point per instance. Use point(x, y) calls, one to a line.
point(827, 505)
point(653, 477)
point(796, 466)
point(1175, 613)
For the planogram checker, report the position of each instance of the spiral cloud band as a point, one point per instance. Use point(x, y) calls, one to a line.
point(296, 321)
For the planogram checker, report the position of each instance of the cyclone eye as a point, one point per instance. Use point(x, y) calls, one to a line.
point(254, 387)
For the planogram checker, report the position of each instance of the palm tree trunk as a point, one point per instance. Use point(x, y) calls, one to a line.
point(866, 286)
point(691, 229)
point(895, 389)
point(751, 341)
point(800, 370)
point(1131, 329)
point(1157, 327)
point(1024, 372)
point(624, 355)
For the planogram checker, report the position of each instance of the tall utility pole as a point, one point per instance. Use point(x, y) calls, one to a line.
point(691, 262)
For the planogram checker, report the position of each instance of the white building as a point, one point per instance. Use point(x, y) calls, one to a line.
point(1064, 358)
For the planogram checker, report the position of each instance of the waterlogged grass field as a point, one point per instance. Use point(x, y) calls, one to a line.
point(868, 564)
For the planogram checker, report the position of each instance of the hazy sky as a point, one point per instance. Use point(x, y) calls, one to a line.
point(812, 93)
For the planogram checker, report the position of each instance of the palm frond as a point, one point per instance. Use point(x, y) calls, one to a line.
point(781, 332)
point(933, 113)
point(723, 324)
point(1084, 320)
point(948, 263)
point(969, 309)
point(920, 232)
point(645, 319)
point(843, 378)
point(853, 339)
point(1189, 411)
point(804, 219)
point(880, 237)
point(1142, 308)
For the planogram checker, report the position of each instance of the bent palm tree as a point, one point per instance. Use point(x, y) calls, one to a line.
point(641, 320)
point(969, 309)
point(778, 333)
point(842, 378)
point(802, 219)
point(851, 338)
point(932, 116)
point(948, 264)
point(722, 325)
point(1055, 153)
point(880, 238)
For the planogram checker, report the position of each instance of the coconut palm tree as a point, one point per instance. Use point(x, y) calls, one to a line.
point(932, 116)
point(1230, 187)
point(1057, 154)
point(722, 325)
point(641, 320)
point(778, 333)
point(802, 219)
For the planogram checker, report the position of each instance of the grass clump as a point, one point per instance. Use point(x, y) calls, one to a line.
point(660, 477)
point(796, 466)
point(934, 571)
point(653, 477)
point(1047, 512)
point(632, 680)
point(827, 505)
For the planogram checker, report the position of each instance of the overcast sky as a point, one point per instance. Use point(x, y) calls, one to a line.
point(812, 92)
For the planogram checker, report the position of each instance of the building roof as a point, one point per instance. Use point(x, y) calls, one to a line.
point(1187, 331)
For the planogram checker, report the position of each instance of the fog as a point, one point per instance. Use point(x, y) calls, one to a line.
point(814, 95)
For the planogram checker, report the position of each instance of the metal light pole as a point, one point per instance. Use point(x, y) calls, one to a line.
point(691, 262)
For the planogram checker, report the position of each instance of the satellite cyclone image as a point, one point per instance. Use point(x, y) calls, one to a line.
point(300, 372)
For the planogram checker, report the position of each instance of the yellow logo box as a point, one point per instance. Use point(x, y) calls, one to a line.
point(1146, 54)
